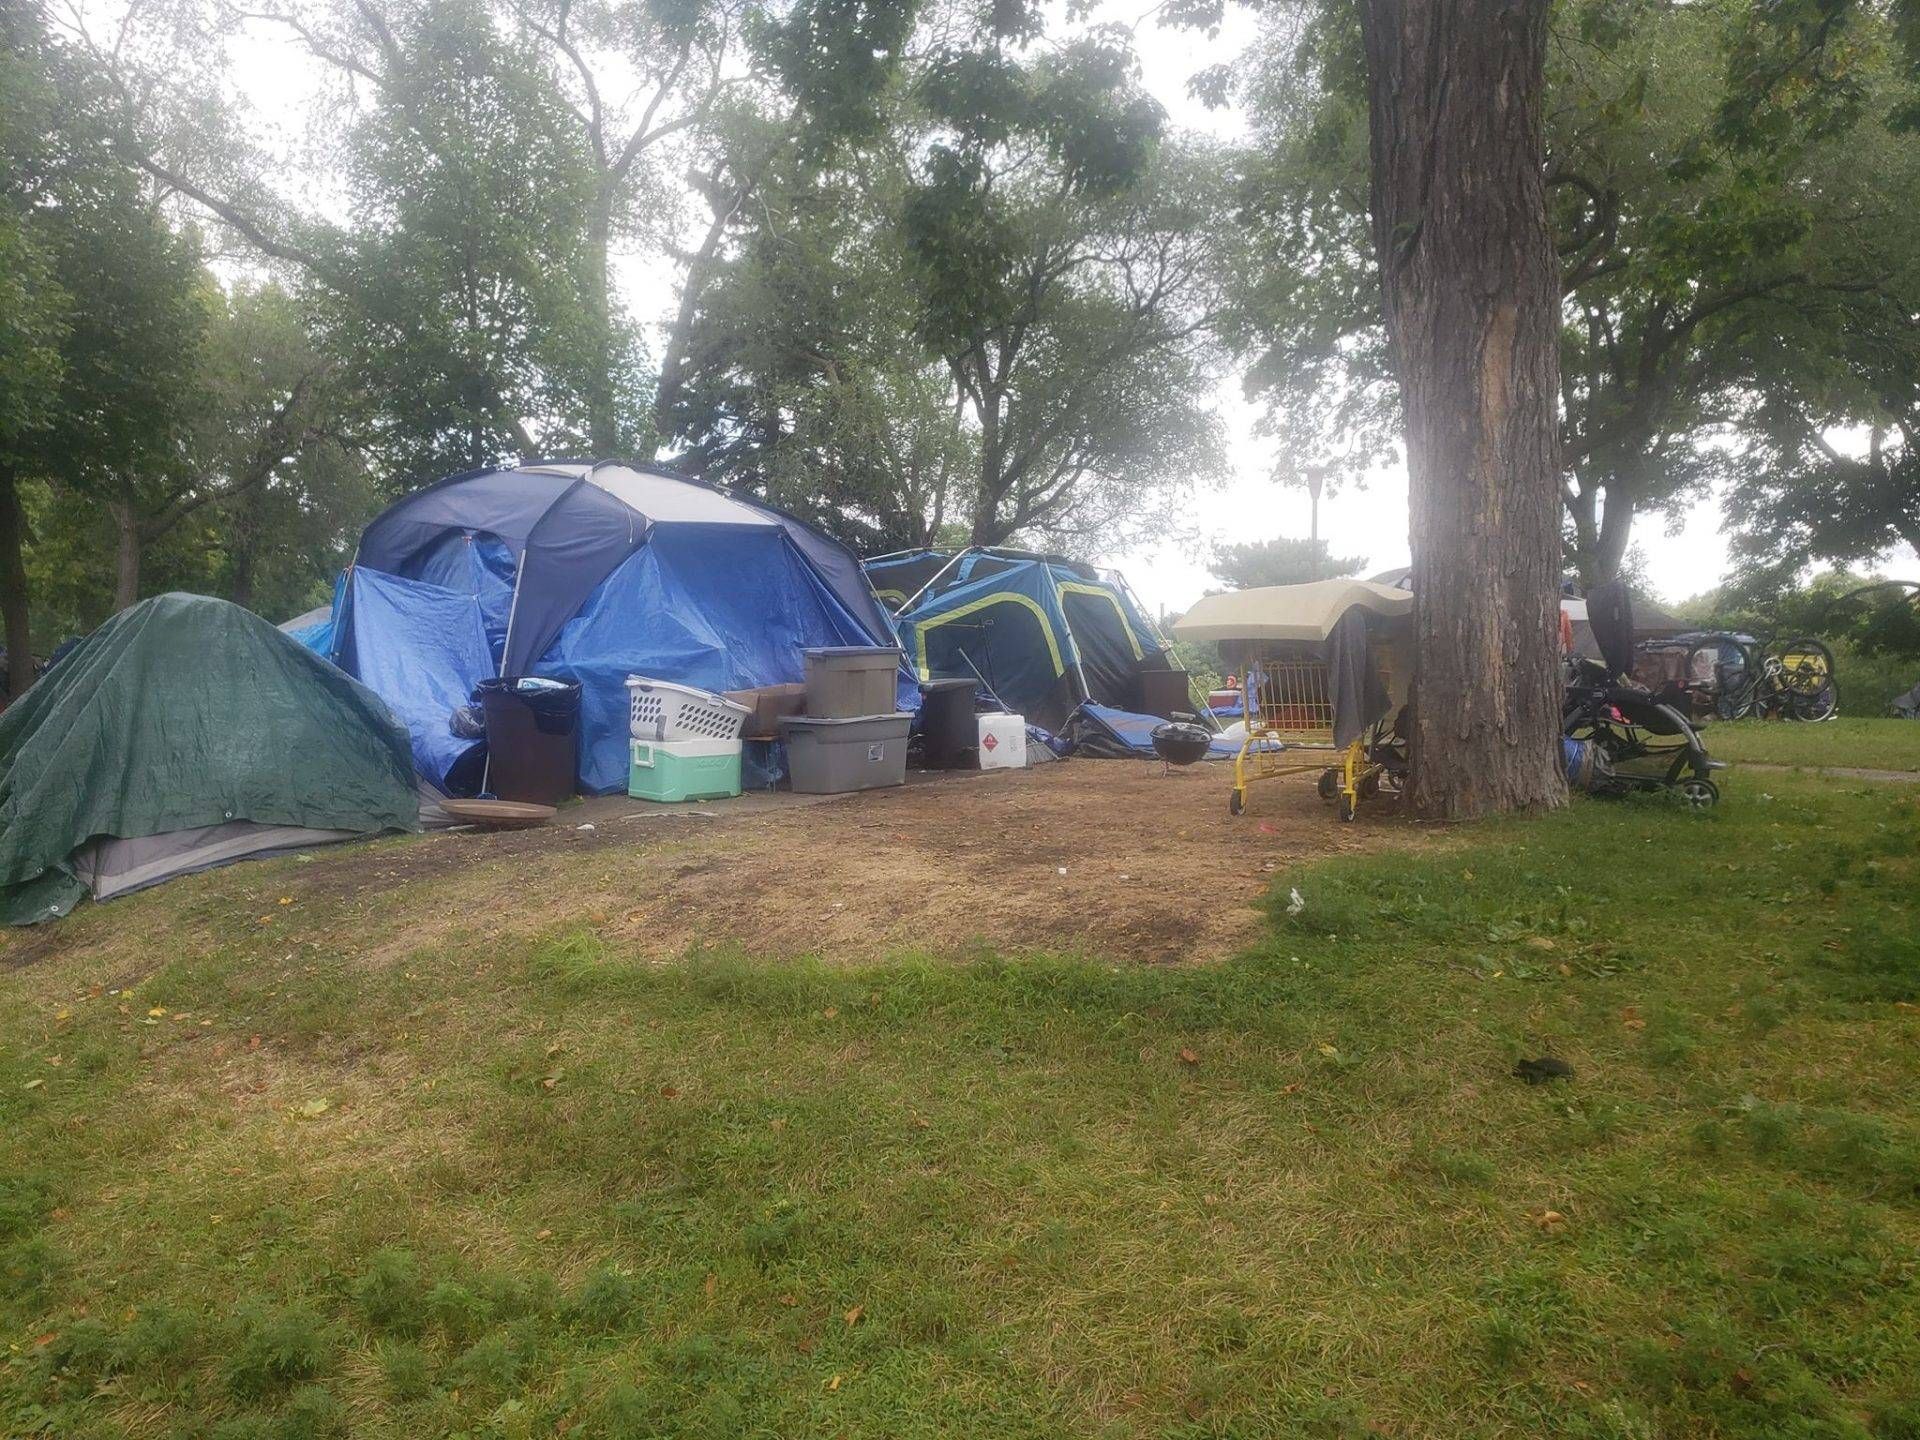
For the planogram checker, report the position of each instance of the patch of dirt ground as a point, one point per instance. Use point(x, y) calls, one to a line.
point(1108, 858)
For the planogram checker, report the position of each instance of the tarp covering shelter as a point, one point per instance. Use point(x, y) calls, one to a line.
point(1288, 612)
point(588, 573)
point(1102, 731)
point(1356, 628)
point(183, 733)
point(1042, 632)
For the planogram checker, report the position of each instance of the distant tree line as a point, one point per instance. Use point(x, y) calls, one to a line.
point(939, 270)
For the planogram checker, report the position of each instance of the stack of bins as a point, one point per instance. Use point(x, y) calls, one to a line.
point(853, 737)
point(685, 743)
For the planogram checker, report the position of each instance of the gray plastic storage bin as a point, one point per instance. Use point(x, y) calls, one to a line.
point(850, 682)
point(830, 757)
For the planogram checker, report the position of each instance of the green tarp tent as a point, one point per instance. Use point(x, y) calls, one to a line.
point(184, 733)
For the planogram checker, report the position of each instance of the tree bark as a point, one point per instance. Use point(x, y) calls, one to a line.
point(1471, 289)
point(603, 425)
point(126, 553)
point(13, 586)
point(675, 357)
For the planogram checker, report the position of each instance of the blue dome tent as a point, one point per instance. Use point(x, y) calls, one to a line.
point(589, 573)
point(1041, 632)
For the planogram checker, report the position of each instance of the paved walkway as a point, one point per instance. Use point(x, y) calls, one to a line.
point(1838, 772)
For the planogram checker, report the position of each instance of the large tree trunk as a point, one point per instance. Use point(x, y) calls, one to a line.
point(126, 553)
point(13, 586)
point(603, 425)
point(675, 358)
point(1471, 296)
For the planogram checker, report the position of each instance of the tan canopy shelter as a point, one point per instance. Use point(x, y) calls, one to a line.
point(1289, 612)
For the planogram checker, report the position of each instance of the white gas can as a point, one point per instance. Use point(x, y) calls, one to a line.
point(1003, 742)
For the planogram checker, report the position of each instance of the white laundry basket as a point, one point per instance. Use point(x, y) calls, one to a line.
point(661, 710)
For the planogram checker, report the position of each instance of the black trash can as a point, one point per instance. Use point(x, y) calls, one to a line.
point(533, 738)
point(949, 737)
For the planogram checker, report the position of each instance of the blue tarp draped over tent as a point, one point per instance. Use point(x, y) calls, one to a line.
point(723, 608)
point(421, 648)
point(1092, 724)
point(588, 573)
point(1043, 632)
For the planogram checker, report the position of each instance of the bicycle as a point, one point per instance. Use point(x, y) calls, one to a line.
point(1735, 677)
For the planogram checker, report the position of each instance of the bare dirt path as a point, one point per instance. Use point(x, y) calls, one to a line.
point(1113, 858)
point(1108, 858)
point(1838, 772)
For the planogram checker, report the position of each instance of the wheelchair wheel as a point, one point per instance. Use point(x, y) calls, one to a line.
point(1698, 794)
point(1236, 802)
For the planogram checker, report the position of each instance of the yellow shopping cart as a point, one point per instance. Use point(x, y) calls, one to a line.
point(1283, 635)
point(1290, 732)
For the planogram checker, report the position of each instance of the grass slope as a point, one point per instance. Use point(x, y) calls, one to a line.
point(1844, 741)
point(270, 1190)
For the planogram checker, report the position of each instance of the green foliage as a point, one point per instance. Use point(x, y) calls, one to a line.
point(1057, 274)
point(469, 185)
point(1715, 282)
point(276, 1348)
point(1285, 560)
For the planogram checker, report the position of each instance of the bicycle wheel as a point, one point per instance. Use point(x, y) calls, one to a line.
point(1806, 667)
point(1813, 708)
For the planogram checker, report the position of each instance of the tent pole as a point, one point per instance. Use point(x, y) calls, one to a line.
point(1200, 706)
point(908, 603)
point(506, 648)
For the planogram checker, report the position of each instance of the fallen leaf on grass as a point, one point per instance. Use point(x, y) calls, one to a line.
point(669, 1092)
point(543, 1235)
point(1550, 1220)
point(834, 1383)
point(157, 1011)
point(711, 1285)
point(33, 1084)
point(830, 1012)
point(789, 1300)
point(853, 1315)
point(547, 1082)
point(1290, 1087)
point(1631, 1018)
point(314, 1108)
point(1188, 1056)
point(253, 1042)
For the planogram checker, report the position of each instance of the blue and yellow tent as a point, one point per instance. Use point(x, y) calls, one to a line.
point(1042, 632)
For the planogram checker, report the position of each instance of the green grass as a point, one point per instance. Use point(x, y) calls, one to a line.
point(517, 1188)
point(1843, 741)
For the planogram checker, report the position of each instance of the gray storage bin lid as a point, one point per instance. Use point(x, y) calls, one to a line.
point(802, 722)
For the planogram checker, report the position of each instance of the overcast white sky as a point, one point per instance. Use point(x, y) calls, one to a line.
point(1370, 521)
